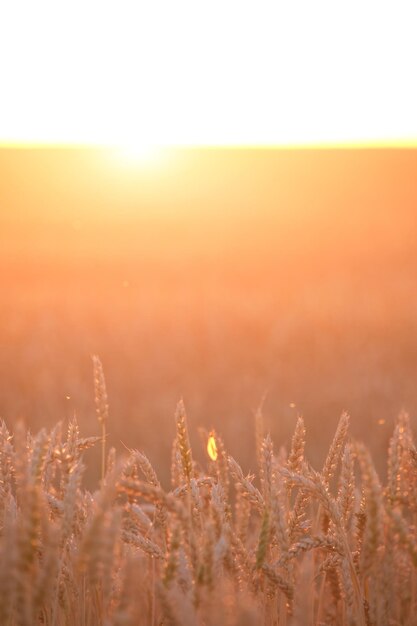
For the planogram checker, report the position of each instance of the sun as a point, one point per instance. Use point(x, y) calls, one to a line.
point(138, 154)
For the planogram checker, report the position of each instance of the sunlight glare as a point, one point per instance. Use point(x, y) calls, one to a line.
point(139, 154)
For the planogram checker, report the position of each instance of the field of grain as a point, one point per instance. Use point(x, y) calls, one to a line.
point(295, 545)
point(234, 298)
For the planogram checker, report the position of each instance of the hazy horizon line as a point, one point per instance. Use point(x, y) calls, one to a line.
point(325, 145)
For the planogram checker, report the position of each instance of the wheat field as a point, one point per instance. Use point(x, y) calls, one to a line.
point(293, 545)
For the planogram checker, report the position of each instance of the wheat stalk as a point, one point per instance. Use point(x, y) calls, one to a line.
point(334, 546)
point(102, 408)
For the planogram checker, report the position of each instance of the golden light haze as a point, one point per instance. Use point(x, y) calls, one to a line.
point(213, 201)
point(191, 270)
point(141, 74)
point(218, 275)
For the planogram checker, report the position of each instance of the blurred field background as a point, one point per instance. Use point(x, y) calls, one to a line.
point(222, 276)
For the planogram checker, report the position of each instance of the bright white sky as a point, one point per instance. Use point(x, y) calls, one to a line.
point(213, 72)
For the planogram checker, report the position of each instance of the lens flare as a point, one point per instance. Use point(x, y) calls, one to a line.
point(212, 448)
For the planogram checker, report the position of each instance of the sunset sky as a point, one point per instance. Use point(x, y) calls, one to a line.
point(215, 73)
